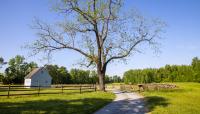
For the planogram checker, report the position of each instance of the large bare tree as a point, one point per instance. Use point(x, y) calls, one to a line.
point(101, 30)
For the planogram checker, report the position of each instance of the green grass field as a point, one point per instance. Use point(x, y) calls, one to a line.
point(183, 100)
point(67, 103)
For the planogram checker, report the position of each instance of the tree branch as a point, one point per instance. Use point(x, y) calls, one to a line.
point(127, 52)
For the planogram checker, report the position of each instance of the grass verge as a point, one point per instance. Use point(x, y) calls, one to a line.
point(76, 103)
point(184, 100)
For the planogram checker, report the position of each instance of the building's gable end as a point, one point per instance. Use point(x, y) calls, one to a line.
point(40, 78)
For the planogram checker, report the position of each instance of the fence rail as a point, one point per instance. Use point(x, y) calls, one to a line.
point(7, 90)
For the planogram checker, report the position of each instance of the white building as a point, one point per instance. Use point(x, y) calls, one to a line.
point(38, 77)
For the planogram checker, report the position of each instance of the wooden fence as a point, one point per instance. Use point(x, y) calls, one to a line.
point(16, 90)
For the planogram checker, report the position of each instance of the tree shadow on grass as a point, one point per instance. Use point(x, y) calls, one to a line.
point(154, 101)
point(55, 106)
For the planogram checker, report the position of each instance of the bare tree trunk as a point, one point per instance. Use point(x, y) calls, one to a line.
point(101, 81)
point(101, 75)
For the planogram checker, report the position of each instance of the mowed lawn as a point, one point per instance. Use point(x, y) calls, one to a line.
point(66, 103)
point(184, 100)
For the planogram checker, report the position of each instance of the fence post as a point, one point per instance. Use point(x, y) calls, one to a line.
point(9, 91)
point(80, 89)
point(38, 90)
point(62, 88)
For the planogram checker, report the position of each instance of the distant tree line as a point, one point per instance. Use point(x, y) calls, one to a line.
point(60, 75)
point(18, 68)
point(169, 73)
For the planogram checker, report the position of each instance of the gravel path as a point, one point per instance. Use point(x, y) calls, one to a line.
point(125, 103)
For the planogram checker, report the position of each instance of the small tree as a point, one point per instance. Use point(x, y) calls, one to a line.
point(17, 69)
point(97, 29)
point(2, 62)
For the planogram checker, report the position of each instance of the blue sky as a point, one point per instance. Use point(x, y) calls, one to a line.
point(180, 44)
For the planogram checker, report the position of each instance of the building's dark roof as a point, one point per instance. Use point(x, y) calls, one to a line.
point(34, 71)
